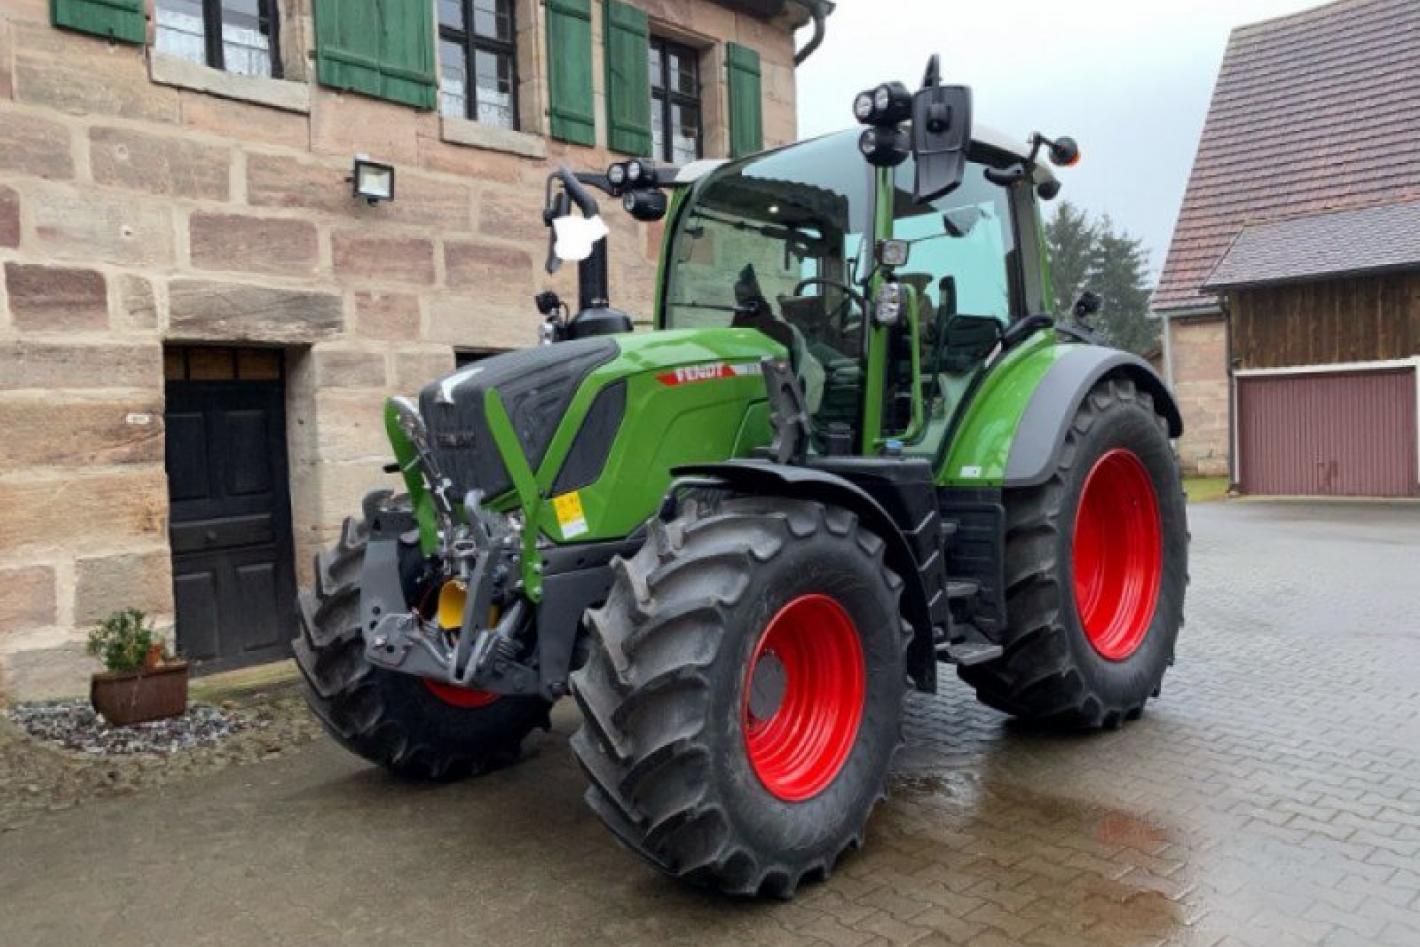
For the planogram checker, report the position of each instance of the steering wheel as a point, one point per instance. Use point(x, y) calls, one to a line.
point(850, 295)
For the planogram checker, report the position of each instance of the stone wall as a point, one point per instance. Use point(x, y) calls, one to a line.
point(1199, 349)
point(150, 203)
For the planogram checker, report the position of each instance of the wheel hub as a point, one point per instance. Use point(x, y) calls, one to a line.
point(803, 697)
point(1117, 554)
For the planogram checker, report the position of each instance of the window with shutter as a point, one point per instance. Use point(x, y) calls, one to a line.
point(746, 104)
point(676, 134)
point(120, 20)
point(569, 71)
point(383, 48)
point(628, 93)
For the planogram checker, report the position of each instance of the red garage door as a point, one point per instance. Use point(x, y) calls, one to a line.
point(1336, 434)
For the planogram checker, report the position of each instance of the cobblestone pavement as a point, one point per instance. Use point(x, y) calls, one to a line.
point(1271, 797)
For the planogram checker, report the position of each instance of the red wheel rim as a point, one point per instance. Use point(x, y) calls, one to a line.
point(1118, 554)
point(799, 740)
point(465, 698)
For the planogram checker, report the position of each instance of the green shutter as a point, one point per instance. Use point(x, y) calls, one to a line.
point(383, 48)
point(569, 71)
point(628, 79)
point(746, 104)
point(120, 20)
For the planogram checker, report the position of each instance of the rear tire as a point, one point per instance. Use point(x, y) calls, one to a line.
point(1090, 650)
point(687, 767)
point(389, 718)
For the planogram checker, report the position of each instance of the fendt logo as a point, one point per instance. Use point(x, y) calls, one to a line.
point(709, 372)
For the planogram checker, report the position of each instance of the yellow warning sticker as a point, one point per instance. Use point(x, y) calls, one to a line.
point(569, 514)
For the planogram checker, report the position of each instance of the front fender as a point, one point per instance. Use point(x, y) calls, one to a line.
point(764, 478)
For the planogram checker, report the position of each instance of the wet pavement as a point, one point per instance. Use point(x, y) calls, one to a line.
point(1271, 797)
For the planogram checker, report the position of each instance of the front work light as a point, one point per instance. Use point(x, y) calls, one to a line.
point(372, 180)
point(645, 204)
point(893, 252)
point(887, 308)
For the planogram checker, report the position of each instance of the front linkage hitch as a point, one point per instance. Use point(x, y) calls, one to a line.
point(484, 654)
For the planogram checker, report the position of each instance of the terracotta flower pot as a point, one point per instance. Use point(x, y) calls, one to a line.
point(136, 696)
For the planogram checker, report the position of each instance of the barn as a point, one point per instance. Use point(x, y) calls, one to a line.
point(1291, 293)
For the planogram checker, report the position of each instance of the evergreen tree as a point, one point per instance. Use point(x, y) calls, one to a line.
point(1092, 254)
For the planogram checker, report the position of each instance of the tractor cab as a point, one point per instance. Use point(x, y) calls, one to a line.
point(783, 242)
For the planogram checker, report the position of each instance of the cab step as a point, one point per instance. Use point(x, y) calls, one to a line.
point(967, 653)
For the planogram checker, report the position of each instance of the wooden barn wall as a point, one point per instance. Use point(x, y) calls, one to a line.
point(1344, 320)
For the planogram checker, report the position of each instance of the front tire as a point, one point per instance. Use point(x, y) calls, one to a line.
point(743, 696)
point(407, 725)
point(1096, 571)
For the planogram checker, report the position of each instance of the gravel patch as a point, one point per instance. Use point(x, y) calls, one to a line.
point(42, 771)
point(74, 725)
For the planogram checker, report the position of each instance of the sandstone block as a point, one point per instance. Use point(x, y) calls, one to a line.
point(347, 368)
point(511, 214)
point(33, 145)
point(66, 365)
point(50, 430)
point(393, 316)
point(344, 125)
point(85, 76)
point(9, 218)
point(159, 164)
point(201, 309)
point(254, 244)
point(360, 255)
point(83, 226)
point(415, 369)
point(471, 321)
point(350, 426)
point(105, 584)
point(138, 307)
point(27, 598)
point(79, 512)
point(46, 673)
point(503, 273)
point(56, 298)
point(242, 121)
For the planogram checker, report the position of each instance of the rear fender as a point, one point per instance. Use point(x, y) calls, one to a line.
point(1015, 424)
point(764, 478)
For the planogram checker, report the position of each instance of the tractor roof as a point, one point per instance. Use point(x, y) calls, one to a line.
point(981, 135)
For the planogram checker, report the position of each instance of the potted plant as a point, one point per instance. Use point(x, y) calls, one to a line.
point(141, 680)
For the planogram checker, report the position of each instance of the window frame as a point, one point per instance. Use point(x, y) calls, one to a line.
point(665, 97)
point(470, 41)
point(215, 57)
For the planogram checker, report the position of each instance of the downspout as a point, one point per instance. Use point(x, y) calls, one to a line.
point(819, 13)
point(1234, 461)
point(1168, 352)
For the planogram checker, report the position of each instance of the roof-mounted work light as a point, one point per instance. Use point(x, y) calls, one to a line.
point(883, 106)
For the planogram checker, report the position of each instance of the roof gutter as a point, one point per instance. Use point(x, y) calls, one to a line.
point(819, 11)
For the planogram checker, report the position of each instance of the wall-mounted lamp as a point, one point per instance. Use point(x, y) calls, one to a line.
point(372, 180)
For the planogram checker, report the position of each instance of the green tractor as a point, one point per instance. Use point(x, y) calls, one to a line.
point(855, 446)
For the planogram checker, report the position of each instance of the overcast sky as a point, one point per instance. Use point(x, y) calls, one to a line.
point(1129, 79)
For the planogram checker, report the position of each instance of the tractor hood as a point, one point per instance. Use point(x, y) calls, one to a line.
point(567, 401)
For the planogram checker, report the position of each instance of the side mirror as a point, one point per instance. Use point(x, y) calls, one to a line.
point(941, 131)
point(1087, 305)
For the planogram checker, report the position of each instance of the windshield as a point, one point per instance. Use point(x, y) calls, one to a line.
point(773, 243)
